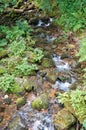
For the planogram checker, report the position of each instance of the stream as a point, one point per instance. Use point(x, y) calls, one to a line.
point(26, 118)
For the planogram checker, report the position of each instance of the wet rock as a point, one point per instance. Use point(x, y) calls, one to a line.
point(51, 76)
point(63, 120)
point(16, 123)
point(62, 78)
point(40, 102)
point(34, 21)
point(3, 53)
point(20, 102)
point(8, 101)
point(46, 62)
point(64, 55)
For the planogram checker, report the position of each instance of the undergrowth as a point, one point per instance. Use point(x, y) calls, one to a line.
point(16, 40)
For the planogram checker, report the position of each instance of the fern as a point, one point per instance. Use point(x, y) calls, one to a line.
point(75, 102)
point(82, 55)
point(82, 50)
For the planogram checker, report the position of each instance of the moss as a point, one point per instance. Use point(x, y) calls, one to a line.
point(40, 102)
point(29, 85)
point(2, 69)
point(63, 119)
point(3, 53)
point(46, 62)
point(20, 102)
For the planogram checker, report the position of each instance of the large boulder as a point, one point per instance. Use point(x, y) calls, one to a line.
point(63, 120)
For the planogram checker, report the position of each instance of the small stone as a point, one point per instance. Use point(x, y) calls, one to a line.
point(7, 101)
point(63, 120)
point(20, 102)
point(40, 102)
point(5, 96)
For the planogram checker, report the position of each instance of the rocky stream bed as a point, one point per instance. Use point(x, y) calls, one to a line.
point(38, 108)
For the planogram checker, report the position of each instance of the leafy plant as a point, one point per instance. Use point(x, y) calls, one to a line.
point(38, 55)
point(14, 33)
point(18, 46)
point(75, 101)
point(82, 50)
point(44, 5)
point(7, 83)
point(71, 15)
point(25, 68)
point(7, 3)
point(82, 55)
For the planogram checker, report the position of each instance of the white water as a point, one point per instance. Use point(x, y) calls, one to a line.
point(41, 23)
point(50, 38)
point(60, 64)
point(44, 124)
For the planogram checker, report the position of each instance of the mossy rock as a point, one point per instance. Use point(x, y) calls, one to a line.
point(12, 62)
point(2, 69)
point(19, 82)
point(40, 102)
point(47, 62)
point(63, 120)
point(30, 83)
point(3, 53)
point(16, 123)
point(51, 76)
point(20, 102)
point(31, 56)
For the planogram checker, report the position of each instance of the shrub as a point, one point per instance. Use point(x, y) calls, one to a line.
point(25, 68)
point(7, 83)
